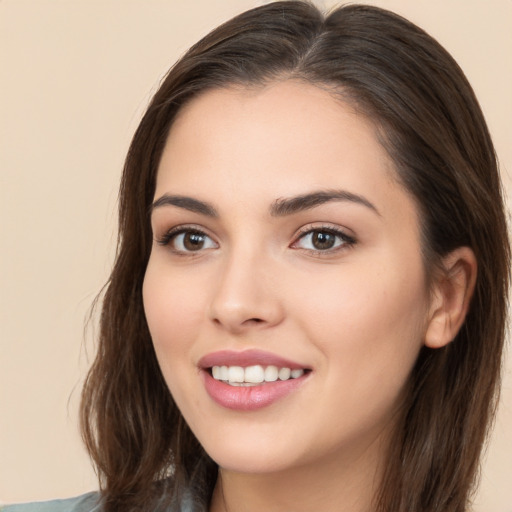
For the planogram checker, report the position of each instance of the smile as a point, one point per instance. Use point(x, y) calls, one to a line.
point(254, 375)
point(251, 379)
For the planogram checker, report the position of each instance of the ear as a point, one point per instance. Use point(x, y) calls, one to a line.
point(453, 289)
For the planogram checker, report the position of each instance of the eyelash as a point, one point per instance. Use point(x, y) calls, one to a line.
point(173, 233)
point(345, 241)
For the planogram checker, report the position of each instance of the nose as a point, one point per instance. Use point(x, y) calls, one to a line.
point(246, 296)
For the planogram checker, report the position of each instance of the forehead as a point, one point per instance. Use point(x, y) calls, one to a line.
point(280, 140)
point(280, 115)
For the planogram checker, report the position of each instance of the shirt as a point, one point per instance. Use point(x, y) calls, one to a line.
point(89, 502)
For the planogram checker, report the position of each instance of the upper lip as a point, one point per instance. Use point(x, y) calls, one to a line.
point(247, 358)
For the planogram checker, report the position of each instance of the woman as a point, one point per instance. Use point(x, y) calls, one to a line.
point(307, 308)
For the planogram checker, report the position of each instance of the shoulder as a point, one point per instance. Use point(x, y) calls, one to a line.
point(89, 502)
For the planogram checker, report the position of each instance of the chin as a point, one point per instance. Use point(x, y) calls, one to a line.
point(238, 463)
point(248, 457)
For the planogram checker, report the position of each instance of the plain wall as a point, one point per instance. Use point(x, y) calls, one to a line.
point(75, 77)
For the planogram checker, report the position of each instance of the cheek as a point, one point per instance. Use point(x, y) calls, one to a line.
point(173, 310)
point(369, 332)
point(369, 321)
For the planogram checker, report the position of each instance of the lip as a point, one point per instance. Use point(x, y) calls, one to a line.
point(247, 358)
point(248, 398)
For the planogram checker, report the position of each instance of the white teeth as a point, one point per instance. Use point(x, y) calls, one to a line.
point(224, 373)
point(236, 374)
point(271, 373)
point(284, 373)
point(252, 375)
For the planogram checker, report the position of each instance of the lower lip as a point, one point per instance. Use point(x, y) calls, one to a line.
point(249, 398)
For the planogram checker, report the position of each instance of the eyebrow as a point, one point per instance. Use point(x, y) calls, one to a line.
point(283, 207)
point(187, 203)
point(279, 208)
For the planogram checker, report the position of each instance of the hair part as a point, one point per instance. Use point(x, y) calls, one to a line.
point(430, 124)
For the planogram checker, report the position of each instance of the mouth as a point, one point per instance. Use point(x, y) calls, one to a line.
point(254, 375)
point(250, 380)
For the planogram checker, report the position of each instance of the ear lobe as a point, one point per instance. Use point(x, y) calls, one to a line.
point(453, 290)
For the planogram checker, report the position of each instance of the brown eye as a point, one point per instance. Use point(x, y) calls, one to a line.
point(322, 240)
point(187, 241)
point(193, 241)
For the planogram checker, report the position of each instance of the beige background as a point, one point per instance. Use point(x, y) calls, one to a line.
point(75, 76)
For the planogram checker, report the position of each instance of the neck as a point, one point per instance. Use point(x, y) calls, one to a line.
point(340, 483)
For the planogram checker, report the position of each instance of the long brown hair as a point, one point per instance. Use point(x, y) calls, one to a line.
point(431, 125)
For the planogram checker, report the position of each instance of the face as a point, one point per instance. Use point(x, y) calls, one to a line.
point(285, 292)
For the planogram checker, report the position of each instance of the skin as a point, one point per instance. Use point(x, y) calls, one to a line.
point(356, 314)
